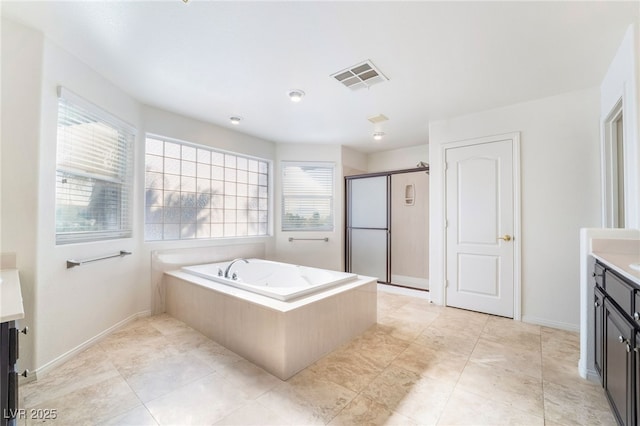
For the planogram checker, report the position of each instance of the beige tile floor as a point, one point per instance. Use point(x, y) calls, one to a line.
point(421, 364)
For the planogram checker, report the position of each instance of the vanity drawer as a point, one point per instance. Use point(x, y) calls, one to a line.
point(621, 292)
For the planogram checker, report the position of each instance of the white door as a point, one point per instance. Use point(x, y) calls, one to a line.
point(480, 214)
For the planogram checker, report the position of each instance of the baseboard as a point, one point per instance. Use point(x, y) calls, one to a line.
point(588, 373)
point(553, 324)
point(421, 283)
point(41, 371)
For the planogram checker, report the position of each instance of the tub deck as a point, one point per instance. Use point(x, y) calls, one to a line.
point(270, 279)
point(281, 337)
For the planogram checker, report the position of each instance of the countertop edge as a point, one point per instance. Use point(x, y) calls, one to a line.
point(11, 301)
point(613, 260)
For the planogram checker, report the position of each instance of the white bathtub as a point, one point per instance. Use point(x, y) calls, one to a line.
point(283, 337)
point(281, 281)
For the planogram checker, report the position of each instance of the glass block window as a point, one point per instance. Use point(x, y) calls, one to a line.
point(307, 196)
point(94, 159)
point(195, 191)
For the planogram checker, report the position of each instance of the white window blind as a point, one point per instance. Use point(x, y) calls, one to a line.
point(93, 172)
point(307, 196)
point(194, 191)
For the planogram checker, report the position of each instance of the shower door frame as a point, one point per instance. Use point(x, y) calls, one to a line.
point(348, 227)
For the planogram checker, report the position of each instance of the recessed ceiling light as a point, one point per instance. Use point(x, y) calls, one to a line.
point(235, 120)
point(296, 95)
point(378, 135)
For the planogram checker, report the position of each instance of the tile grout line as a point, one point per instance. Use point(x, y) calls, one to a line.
point(142, 403)
point(461, 372)
point(130, 388)
point(544, 408)
point(386, 332)
point(358, 393)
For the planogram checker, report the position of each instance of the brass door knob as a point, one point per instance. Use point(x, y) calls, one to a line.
point(506, 237)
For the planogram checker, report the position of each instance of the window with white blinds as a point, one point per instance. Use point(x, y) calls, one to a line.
point(307, 196)
point(194, 191)
point(93, 172)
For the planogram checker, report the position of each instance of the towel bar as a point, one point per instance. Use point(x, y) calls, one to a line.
point(73, 263)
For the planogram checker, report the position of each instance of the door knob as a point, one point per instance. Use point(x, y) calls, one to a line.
point(506, 237)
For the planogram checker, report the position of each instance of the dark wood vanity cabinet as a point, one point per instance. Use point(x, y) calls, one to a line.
point(598, 321)
point(636, 355)
point(4, 372)
point(618, 379)
point(8, 374)
point(617, 341)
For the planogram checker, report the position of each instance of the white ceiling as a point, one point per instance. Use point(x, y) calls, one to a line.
point(213, 60)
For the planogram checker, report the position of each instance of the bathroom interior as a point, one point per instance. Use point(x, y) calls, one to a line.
point(400, 227)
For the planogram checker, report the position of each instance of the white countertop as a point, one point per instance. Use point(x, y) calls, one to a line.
point(11, 307)
point(620, 262)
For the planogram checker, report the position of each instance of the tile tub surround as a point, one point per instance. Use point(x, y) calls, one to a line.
point(159, 371)
point(171, 259)
point(7, 260)
point(281, 337)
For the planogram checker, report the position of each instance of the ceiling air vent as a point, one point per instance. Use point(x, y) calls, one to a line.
point(360, 76)
point(375, 119)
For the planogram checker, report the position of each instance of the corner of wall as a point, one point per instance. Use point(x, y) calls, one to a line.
point(398, 159)
point(22, 73)
point(327, 255)
point(622, 82)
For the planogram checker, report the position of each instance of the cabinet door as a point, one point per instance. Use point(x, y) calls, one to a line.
point(636, 309)
point(4, 372)
point(636, 351)
point(598, 322)
point(618, 378)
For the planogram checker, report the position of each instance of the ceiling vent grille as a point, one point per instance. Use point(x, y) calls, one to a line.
point(360, 76)
point(375, 119)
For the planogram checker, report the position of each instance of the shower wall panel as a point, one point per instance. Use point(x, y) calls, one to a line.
point(410, 229)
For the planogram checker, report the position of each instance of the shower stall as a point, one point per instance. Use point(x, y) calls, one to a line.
point(387, 226)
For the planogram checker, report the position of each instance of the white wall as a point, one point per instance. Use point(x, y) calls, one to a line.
point(187, 129)
point(64, 308)
point(75, 305)
point(353, 162)
point(21, 82)
point(397, 159)
point(622, 81)
point(560, 194)
point(328, 255)
point(67, 309)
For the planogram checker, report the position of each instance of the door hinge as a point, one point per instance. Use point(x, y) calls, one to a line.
point(446, 283)
point(446, 166)
point(446, 223)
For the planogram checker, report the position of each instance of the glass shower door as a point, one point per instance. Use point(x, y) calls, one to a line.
point(368, 226)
